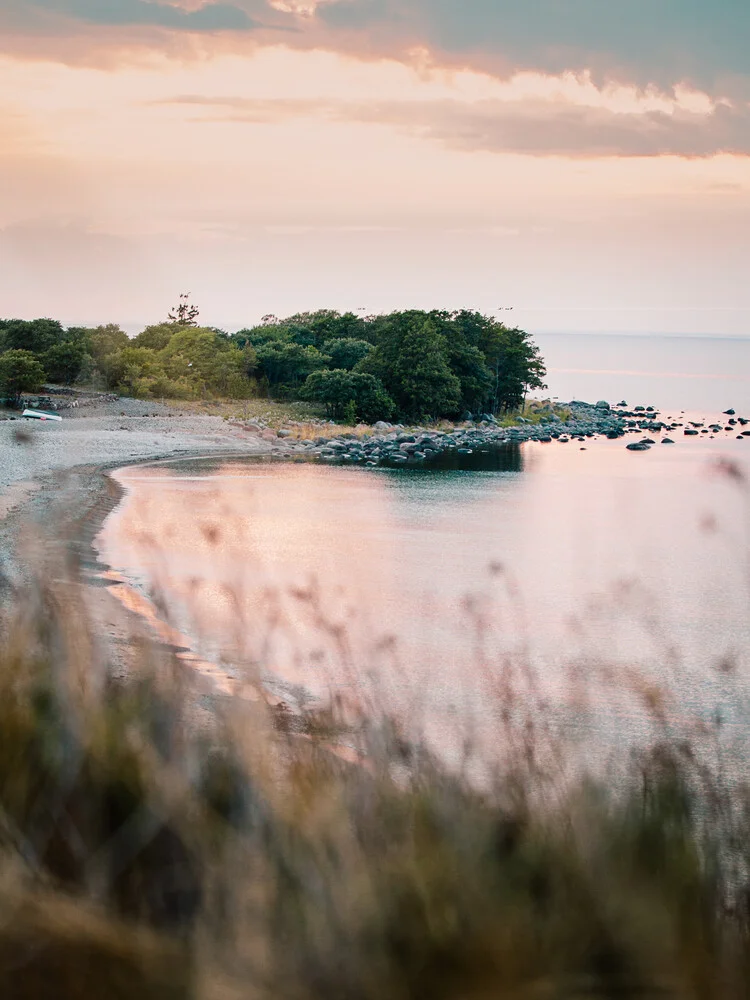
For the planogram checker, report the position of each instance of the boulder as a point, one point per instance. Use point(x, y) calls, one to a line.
point(638, 446)
point(602, 405)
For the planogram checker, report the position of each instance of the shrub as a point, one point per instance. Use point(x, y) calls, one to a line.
point(348, 395)
point(20, 372)
point(64, 362)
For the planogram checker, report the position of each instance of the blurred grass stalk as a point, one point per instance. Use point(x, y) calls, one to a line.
point(146, 852)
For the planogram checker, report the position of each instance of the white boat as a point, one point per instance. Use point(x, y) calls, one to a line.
point(41, 415)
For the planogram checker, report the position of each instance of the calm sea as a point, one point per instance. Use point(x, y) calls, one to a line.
point(573, 571)
point(690, 373)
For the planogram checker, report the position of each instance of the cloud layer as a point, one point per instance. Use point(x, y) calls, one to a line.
point(661, 43)
point(116, 13)
point(525, 127)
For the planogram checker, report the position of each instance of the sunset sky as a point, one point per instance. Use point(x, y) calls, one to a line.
point(584, 161)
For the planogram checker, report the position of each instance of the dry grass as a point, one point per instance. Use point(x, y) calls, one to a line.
point(275, 414)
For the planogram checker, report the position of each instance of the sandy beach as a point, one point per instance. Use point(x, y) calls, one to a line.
point(55, 492)
point(109, 434)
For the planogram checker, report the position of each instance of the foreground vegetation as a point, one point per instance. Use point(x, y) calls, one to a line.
point(410, 366)
point(156, 844)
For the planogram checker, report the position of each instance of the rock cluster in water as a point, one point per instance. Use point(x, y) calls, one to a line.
point(395, 445)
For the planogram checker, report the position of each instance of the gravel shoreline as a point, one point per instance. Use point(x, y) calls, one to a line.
point(55, 473)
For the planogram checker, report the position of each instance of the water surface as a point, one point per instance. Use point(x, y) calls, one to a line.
point(421, 589)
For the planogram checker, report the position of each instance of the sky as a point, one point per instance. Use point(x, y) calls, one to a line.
point(585, 163)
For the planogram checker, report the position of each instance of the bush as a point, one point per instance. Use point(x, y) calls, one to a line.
point(348, 395)
point(65, 361)
point(210, 361)
point(346, 352)
point(20, 372)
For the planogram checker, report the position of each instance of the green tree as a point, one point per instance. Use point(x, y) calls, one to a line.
point(411, 360)
point(105, 340)
point(515, 363)
point(20, 372)
point(426, 385)
point(209, 360)
point(132, 369)
point(346, 352)
point(36, 335)
point(266, 333)
point(64, 362)
point(348, 394)
point(156, 337)
point(315, 328)
point(288, 364)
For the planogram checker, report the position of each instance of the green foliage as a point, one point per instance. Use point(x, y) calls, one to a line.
point(326, 324)
point(139, 371)
point(104, 341)
point(349, 396)
point(155, 337)
point(411, 359)
point(515, 364)
point(20, 372)
point(426, 385)
point(195, 362)
point(434, 365)
point(345, 352)
point(64, 362)
point(430, 365)
point(285, 363)
point(317, 329)
point(36, 335)
point(209, 360)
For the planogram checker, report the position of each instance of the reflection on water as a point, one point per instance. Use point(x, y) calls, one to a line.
point(422, 588)
point(498, 458)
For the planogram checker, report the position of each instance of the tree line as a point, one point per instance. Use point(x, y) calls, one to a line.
point(409, 365)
